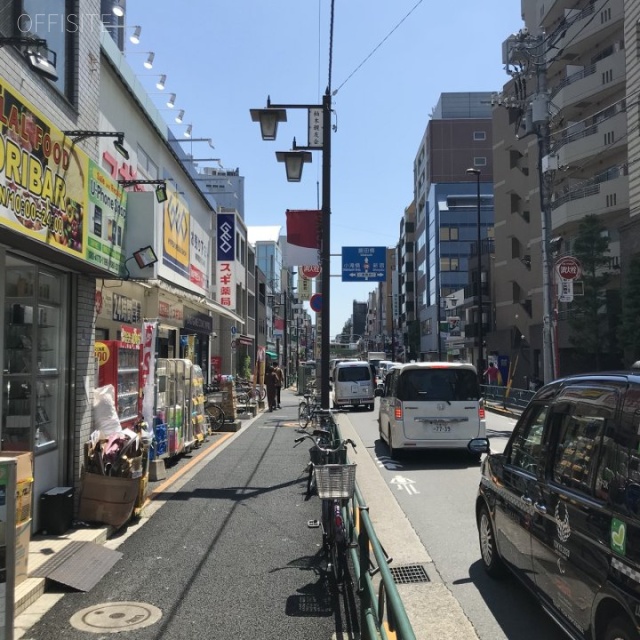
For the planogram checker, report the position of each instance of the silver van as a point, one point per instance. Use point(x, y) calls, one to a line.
point(353, 385)
point(431, 405)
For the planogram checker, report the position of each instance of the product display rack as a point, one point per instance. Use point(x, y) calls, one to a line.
point(197, 404)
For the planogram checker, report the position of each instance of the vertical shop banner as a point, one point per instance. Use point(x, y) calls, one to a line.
point(43, 177)
point(199, 266)
point(304, 288)
point(106, 219)
point(148, 369)
point(175, 235)
point(225, 260)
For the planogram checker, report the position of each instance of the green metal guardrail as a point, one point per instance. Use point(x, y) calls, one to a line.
point(381, 609)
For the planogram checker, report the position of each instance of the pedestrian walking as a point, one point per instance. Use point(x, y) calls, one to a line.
point(270, 380)
point(491, 374)
point(279, 382)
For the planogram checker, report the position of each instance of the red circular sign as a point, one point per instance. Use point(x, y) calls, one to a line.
point(310, 270)
point(569, 268)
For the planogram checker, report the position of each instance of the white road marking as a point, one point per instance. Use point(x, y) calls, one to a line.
point(405, 483)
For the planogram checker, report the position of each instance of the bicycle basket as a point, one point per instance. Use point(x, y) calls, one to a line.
point(335, 480)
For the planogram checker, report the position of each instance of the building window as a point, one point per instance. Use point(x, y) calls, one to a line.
point(449, 264)
point(448, 233)
point(480, 162)
point(52, 20)
point(479, 135)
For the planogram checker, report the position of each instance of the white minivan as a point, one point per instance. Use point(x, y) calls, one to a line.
point(431, 405)
point(353, 385)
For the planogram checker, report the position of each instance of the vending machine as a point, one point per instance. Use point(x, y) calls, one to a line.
point(119, 365)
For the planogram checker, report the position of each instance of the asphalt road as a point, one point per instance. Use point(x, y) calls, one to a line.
point(436, 491)
point(227, 554)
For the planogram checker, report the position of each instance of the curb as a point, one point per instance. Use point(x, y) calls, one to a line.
point(432, 609)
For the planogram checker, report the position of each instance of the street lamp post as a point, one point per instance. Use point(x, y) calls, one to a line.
point(294, 161)
point(476, 172)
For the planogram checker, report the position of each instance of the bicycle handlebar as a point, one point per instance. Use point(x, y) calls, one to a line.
point(342, 444)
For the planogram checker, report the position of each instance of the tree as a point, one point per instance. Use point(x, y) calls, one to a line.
point(629, 334)
point(590, 333)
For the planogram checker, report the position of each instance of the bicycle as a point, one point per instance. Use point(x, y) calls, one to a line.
point(307, 408)
point(335, 483)
point(215, 417)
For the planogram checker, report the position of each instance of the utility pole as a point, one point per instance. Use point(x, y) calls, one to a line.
point(528, 51)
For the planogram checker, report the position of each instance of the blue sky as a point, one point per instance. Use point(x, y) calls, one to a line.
point(224, 58)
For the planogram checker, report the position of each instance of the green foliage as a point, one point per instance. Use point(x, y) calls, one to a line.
point(629, 334)
point(590, 332)
point(244, 366)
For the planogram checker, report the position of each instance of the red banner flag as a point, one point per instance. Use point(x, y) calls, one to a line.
point(304, 238)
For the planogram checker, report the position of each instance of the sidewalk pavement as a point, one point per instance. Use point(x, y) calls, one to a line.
point(433, 610)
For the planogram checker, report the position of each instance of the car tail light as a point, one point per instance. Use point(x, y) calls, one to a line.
point(481, 413)
point(397, 412)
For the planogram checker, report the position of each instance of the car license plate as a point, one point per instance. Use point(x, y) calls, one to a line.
point(441, 427)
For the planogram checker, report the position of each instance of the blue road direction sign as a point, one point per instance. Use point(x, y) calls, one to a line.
point(364, 264)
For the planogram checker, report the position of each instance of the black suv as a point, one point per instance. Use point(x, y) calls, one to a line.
point(560, 508)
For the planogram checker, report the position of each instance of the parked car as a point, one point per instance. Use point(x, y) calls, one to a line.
point(427, 405)
point(353, 385)
point(560, 508)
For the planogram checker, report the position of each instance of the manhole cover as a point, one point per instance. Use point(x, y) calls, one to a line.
point(409, 573)
point(113, 617)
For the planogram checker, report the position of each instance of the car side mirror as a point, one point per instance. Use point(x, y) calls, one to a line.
point(479, 445)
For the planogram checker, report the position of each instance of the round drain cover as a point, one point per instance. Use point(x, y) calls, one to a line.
point(113, 617)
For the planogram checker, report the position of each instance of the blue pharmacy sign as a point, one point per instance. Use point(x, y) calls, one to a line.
point(364, 264)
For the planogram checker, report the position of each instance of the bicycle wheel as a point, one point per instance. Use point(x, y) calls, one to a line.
point(338, 559)
point(215, 417)
point(304, 414)
point(261, 392)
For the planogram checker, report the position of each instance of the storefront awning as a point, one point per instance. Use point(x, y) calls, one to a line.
point(271, 354)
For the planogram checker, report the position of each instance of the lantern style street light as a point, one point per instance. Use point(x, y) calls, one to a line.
point(319, 121)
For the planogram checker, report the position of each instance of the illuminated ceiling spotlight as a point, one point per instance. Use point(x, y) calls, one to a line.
point(135, 36)
point(180, 116)
point(118, 8)
point(161, 82)
point(187, 131)
point(171, 102)
point(148, 63)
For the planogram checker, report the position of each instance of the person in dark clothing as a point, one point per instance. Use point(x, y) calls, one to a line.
point(270, 381)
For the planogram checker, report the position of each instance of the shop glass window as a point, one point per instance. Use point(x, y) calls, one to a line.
point(55, 22)
point(35, 351)
point(527, 444)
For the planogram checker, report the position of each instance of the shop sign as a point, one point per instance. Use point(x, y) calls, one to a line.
point(170, 311)
point(225, 260)
point(304, 288)
point(126, 310)
point(245, 340)
point(44, 180)
point(198, 322)
point(198, 255)
point(175, 250)
point(130, 335)
point(107, 216)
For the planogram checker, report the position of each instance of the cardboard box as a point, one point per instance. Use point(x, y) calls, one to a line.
point(24, 482)
point(108, 499)
point(23, 537)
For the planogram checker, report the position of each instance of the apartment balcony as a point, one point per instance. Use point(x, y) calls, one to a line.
point(606, 194)
point(553, 11)
point(603, 139)
point(591, 85)
point(588, 29)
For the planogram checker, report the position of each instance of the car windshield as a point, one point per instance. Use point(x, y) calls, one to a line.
point(354, 374)
point(438, 384)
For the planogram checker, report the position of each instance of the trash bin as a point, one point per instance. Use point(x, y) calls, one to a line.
point(56, 511)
